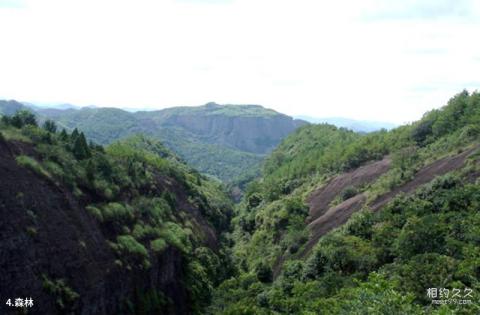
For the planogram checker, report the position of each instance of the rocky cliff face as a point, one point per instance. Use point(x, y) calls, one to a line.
point(55, 252)
point(255, 134)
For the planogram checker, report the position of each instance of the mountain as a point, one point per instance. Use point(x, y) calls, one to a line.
point(337, 222)
point(122, 229)
point(249, 128)
point(50, 105)
point(10, 107)
point(348, 223)
point(219, 140)
point(352, 124)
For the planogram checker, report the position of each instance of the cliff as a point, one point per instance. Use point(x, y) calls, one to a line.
point(255, 133)
point(56, 251)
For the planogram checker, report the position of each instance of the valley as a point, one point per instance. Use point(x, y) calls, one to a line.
point(227, 157)
point(219, 140)
point(331, 222)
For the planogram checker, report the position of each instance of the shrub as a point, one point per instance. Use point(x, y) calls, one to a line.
point(254, 200)
point(158, 245)
point(470, 132)
point(295, 206)
point(117, 212)
point(127, 247)
point(348, 193)
point(6, 120)
point(95, 212)
point(65, 296)
point(262, 299)
point(153, 209)
point(342, 254)
point(36, 134)
point(106, 189)
point(422, 131)
point(421, 235)
point(170, 198)
point(293, 269)
point(175, 236)
point(54, 168)
point(141, 231)
point(23, 118)
point(264, 272)
point(33, 165)
point(31, 231)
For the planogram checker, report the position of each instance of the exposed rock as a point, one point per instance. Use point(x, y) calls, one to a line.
point(255, 134)
point(46, 232)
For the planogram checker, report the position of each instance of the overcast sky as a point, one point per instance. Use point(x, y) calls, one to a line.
point(364, 59)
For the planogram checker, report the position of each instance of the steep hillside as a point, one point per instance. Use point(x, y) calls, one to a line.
point(337, 223)
point(301, 247)
point(249, 128)
point(126, 229)
point(218, 140)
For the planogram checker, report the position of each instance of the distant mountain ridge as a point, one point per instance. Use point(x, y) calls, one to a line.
point(352, 124)
point(224, 141)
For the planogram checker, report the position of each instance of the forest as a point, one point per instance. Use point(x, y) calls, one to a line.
point(337, 222)
point(380, 261)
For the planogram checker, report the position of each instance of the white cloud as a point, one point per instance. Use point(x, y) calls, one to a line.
point(299, 57)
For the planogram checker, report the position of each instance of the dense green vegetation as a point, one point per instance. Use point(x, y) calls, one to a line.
point(144, 198)
point(211, 109)
point(377, 263)
point(206, 137)
point(220, 162)
point(322, 150)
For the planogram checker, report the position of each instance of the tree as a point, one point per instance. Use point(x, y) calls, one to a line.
point(254, 200)
point(264, 273)
point(63, 135)
point(80, 147)
point(6, 120)
point(424, 129)
point(50, 126)
point(74, 134)
point(28, 118)
point(405, 159)
point(23, 118)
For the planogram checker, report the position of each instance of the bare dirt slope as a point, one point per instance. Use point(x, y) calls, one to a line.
point(327, 220)
point(425, 175)
point(321, 198)
point(321, 218)
point(333, 218)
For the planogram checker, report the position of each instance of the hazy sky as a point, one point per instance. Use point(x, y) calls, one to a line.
point(364, 59)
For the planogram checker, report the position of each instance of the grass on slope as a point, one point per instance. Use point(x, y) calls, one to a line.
point(424, 240)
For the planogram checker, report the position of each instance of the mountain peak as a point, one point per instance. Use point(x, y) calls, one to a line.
point(212, 105)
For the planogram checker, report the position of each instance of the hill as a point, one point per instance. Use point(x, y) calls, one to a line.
point(352, 124)
point(122, 229)
point(10, 107)
point(345, 223)
point(338, 222)
point(219, 140)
